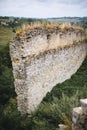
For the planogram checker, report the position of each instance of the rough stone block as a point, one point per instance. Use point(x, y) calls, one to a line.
point(63, 127)
point(77, 115)
point(84, 105)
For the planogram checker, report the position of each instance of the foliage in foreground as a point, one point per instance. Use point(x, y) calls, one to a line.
point(58, 111)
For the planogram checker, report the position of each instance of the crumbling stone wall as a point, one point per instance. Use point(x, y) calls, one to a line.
point(41, 59)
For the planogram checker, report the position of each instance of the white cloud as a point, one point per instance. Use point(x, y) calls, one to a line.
point(43, 8)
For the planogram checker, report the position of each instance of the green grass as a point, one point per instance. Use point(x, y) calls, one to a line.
point(5, 35)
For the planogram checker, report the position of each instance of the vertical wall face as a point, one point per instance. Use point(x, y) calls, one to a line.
point(41, 62)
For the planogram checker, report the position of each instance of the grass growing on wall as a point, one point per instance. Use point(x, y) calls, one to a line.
point(45, 25)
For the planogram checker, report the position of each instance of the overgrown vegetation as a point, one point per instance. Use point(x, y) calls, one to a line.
point(55, 108)
point(46, 25)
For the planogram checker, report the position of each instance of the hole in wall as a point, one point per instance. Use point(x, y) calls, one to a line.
point(48, 36)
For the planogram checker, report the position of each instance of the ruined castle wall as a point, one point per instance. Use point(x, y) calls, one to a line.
point(42, 61)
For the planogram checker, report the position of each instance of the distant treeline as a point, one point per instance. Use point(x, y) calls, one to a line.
point(18, 21)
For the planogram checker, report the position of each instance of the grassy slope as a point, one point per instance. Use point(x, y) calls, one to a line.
point(5, 35)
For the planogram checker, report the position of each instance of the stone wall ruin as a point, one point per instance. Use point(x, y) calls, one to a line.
point(42, 58)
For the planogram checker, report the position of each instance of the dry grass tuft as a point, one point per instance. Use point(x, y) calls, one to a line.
point(36, 25)
point(45, 25)
point(70, 27)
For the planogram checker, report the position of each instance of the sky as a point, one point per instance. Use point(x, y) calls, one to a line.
point(43, 8)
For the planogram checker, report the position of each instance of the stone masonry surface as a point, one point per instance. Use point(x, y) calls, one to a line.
point(42, 61)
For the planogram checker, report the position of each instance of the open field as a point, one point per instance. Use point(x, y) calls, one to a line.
point(5, 35)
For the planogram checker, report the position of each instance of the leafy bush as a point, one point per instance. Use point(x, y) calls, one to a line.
point(58, 111)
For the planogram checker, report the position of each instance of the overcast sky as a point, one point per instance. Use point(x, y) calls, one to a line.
point(43, 8)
